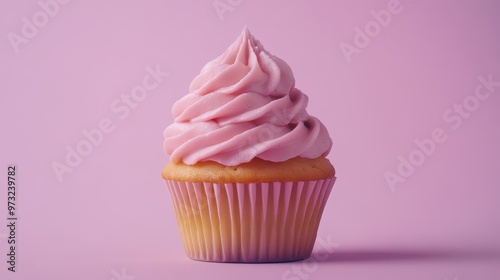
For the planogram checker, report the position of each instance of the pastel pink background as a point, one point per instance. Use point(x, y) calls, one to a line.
point(114, 212)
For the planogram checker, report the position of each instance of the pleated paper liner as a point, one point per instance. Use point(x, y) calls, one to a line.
point(249, 222)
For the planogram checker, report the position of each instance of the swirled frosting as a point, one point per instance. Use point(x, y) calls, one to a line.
point(244, 105)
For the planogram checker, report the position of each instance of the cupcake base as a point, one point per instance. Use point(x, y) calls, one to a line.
point(249, 222)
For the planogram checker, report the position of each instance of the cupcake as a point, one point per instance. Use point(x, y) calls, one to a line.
point(248, 173)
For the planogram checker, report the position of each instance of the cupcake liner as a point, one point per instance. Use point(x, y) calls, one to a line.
point(249, 222)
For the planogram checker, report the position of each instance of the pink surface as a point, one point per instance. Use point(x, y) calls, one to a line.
point(409, 92)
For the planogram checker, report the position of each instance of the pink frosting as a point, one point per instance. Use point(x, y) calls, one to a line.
point(244, 105)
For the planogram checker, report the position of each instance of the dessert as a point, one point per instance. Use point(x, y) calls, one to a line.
point(248, 173)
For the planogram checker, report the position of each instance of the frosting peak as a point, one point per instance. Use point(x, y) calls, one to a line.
point(244, 105)
point(245, 66)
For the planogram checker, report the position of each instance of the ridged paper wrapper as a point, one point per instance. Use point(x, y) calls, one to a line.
point(249, 222)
